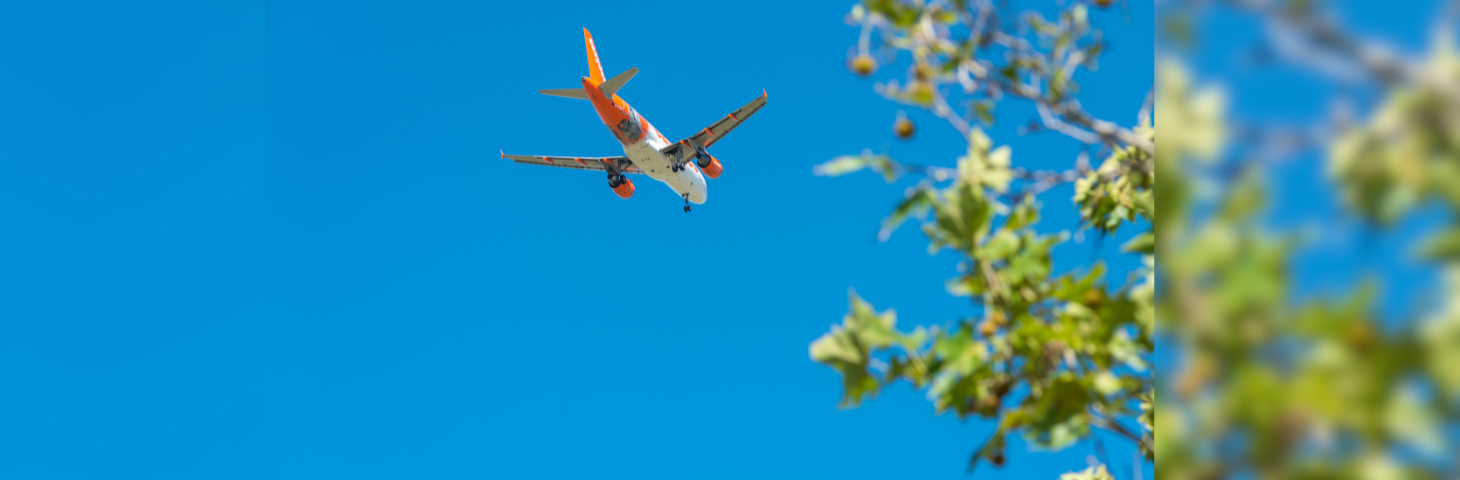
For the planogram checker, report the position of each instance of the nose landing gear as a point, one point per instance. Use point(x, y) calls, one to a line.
point(686, 203)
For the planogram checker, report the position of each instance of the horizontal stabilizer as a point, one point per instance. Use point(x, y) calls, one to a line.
point(566, 92)
point(611, 86)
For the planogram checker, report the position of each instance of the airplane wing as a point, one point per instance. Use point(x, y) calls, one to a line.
point(715, 131)
point(611, 164)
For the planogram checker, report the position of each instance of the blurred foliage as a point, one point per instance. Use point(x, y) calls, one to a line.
point(1408, 151)
point(1271, 386)
point(1052, 356)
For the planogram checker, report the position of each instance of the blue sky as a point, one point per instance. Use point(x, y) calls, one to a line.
point(248, 240)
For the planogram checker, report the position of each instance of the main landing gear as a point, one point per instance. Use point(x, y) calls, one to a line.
point(686, 203)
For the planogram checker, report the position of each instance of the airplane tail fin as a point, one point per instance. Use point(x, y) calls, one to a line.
point(595, 72)
point(595, 69)
point(609, 87)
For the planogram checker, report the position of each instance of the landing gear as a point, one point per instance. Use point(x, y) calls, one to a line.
point(686, 203)
point(616, 179)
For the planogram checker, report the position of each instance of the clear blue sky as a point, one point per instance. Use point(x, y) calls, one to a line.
point(275, 240)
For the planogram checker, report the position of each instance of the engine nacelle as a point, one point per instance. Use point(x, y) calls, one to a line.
point(711, 168)
point(625, 189)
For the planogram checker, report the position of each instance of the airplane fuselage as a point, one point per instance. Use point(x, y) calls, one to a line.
point(642, 143)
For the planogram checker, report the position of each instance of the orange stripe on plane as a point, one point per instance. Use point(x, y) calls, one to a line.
point(549, 160)
point(580, 161)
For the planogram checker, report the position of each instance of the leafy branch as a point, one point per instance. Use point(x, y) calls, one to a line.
point(1049, 356)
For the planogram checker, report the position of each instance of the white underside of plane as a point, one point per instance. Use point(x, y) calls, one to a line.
point(689, 181)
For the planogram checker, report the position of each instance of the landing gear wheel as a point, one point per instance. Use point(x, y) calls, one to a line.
point(686, 203)
point(686, 209)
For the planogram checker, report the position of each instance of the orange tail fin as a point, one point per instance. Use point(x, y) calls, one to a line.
point(595, 69)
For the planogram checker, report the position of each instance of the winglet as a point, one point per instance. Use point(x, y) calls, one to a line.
point(763, 94)
point(504, 153)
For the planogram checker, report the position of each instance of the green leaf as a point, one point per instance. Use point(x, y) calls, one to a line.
point(1441, 246)
point(916, 204)
point(841, 166)
point(849, 347)
point(1000, 246)
point(1025, 214)
point(841, 350)
point(1143, 243)
point(964, 286)
point(1145, 202)
point(984, 110)
point(837, 345)
point(1058, 416)
point(1107, 383)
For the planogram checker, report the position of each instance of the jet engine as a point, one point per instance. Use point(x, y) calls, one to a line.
point(621, 186)
point(708, 164)
point(711, 168)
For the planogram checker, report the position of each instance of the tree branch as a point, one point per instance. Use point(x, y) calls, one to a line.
point(1116, 428)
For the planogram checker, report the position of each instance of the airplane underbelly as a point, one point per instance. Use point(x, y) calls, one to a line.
point(656, 166)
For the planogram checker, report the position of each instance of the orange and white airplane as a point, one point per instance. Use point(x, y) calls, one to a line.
point(682, 165)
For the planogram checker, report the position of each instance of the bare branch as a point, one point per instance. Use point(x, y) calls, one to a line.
point(1385, 66)
point(1053, 123)
point(941, 109)
point(1101, 421)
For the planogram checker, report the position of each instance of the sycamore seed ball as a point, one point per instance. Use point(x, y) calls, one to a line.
point(922, 72)
point(1360, 336)
point(987, 328)
point(864, 65)
point(1002, 388)
point(998, 459)
point(903, 128)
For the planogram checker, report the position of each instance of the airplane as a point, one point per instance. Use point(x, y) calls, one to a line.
point(682, 165)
